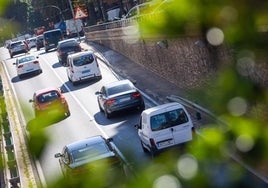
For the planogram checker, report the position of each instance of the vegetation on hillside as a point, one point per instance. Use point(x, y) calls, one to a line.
point(237, 94)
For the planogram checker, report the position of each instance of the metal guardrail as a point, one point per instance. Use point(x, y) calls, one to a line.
point(202, 110)
point(10, 168)
point(118, 23)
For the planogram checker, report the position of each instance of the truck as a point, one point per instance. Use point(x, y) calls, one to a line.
point(74, 27)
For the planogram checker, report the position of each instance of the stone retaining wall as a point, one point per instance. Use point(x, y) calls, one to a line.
point(187, 61)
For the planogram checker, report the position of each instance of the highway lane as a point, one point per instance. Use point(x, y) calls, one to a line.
point(85, 119)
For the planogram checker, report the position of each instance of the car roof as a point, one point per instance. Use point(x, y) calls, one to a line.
point(77, 54)
point(162, 108)
point(117, 83)
point(67, 41)
point(18, 41)
point(53, 30)
point(38, 92)
point(84, 142)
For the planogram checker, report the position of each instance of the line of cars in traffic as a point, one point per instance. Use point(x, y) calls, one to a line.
point(159, 127)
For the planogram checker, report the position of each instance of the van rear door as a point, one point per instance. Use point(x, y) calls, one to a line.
point(175, 127)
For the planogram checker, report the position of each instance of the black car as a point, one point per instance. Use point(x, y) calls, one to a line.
point(39, 42)
point(51, 39)
point(119, 96)
point(66, 47)
point(86, 157)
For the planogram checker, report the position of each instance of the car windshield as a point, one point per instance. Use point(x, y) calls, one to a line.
point(118, 89)
point(25, 59)
point(90, 151)
point(47, 97)
point(83, 60)
point(168, 119)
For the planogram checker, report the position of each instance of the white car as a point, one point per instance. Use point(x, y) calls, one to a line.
point(82, 66)
point(27, 65)
point(164, 126)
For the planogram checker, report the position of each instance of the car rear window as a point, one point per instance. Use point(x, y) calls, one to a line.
point(47, 97)
point(118, 89)
point(16, 44)
point(90, 151)
point(83, 60)
point(55, 34)
point(25, 59)
point(168, 119)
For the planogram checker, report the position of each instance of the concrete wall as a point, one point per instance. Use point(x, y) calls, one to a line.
point(188, 61)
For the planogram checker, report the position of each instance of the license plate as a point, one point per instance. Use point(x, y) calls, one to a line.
point(124, 99)
point(165, 143)
point(86, 71)
point(29, 70)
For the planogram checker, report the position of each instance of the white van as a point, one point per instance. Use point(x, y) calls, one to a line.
point(82, 66)
point(163, 126)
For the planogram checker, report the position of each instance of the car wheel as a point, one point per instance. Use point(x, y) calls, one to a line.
point(143, 148)
point(107, 114)
point(100, 107)
point(142, 107)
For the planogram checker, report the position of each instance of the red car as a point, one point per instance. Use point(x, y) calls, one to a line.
point(50, 101)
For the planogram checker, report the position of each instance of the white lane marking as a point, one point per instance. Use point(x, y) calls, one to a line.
point(75, 98)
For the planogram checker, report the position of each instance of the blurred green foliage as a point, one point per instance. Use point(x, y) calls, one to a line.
point(232, 94)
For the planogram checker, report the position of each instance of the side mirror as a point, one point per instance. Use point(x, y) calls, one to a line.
point(98, 93)
point(137, 126)
point(57, 155)
point(109, 139)
point(31, 100)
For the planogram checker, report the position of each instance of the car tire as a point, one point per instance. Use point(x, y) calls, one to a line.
point(107, 114)
point(142, 107)
point(143, 148)
point(100, 107)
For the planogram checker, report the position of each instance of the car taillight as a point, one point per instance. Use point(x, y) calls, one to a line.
point(20, 66)
point(152, 142)
point(63, 101)
point(36, 62)
point(136, 95)
point(110, 101)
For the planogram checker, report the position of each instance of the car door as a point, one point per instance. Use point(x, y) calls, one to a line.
point(180, 125)
point(161, 131)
